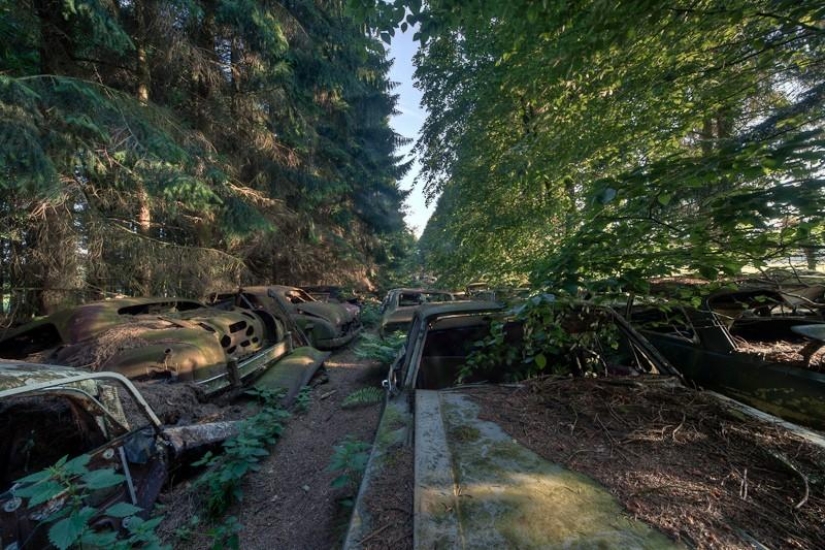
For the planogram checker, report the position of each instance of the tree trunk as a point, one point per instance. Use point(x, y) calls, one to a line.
point(810, 256)
point(144, 73)
point(143, 265)
point(205, 40)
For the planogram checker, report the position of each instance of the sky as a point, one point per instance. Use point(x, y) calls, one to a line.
point(409, 122)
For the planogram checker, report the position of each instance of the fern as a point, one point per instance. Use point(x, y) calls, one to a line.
point(371, 347)
point(363, 397)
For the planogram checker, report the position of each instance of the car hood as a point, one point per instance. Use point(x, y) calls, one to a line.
point(508, 497)
point(513, 486)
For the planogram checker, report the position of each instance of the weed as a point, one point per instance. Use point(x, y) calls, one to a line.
point(370, 314)
point(302, 400)
point(241, 455)
point(350, 459)
point(73, 483)
point(185, 532)
point(226, 535)
point(557, 337)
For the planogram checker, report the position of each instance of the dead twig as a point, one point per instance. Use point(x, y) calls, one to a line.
point(679, 427)
point(580, 451)
point(376, 532)
point(615, 444)
point(743, 488)
point(802, 476)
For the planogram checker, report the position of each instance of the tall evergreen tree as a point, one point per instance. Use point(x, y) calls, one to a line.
point(191, 145)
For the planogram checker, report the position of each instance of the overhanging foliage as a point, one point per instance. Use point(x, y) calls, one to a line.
point(576, 141)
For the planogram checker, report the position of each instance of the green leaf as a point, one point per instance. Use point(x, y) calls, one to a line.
point(541, 361)
point(40, 493)
point(65, 532)
point(340, 481)
point(204, 460)
point(106, 539)
point(78, 465)
point(101, 479)
point(664, 199)
point(35, 477)
point(122, 510)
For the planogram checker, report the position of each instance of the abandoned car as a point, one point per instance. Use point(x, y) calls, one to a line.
point(326, 325)
point(475, 484)
point(759, 346)
point(425, 410)
point(217, 347)
point(93, 431)
point(335, 295)
point(399, 306)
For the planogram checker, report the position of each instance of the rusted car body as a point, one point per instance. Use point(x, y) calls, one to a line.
point(218, 347)
point(335, 295)
point(476, 485)
point(326, 325)
point(725, 344)
point(48, 412)
point(457, 454)
point(400, 304)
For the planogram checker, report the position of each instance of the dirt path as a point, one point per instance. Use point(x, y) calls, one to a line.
point(289, 503)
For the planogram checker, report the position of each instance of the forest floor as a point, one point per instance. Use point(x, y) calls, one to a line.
point(290, 503)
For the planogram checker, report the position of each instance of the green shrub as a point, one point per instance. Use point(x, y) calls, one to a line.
point(558, 337)
point(371, 314)
point(241, 454)
point(302, 400)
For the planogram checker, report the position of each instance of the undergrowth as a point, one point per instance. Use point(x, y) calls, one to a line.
point(373, 348)
point(68, 489)
point(350, 460)
point(370, 314)
point(302, 400)
point(221, 484)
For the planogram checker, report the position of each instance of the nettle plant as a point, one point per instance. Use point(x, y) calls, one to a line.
point(350, 460)
point(61, 495)
point(221, 485)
